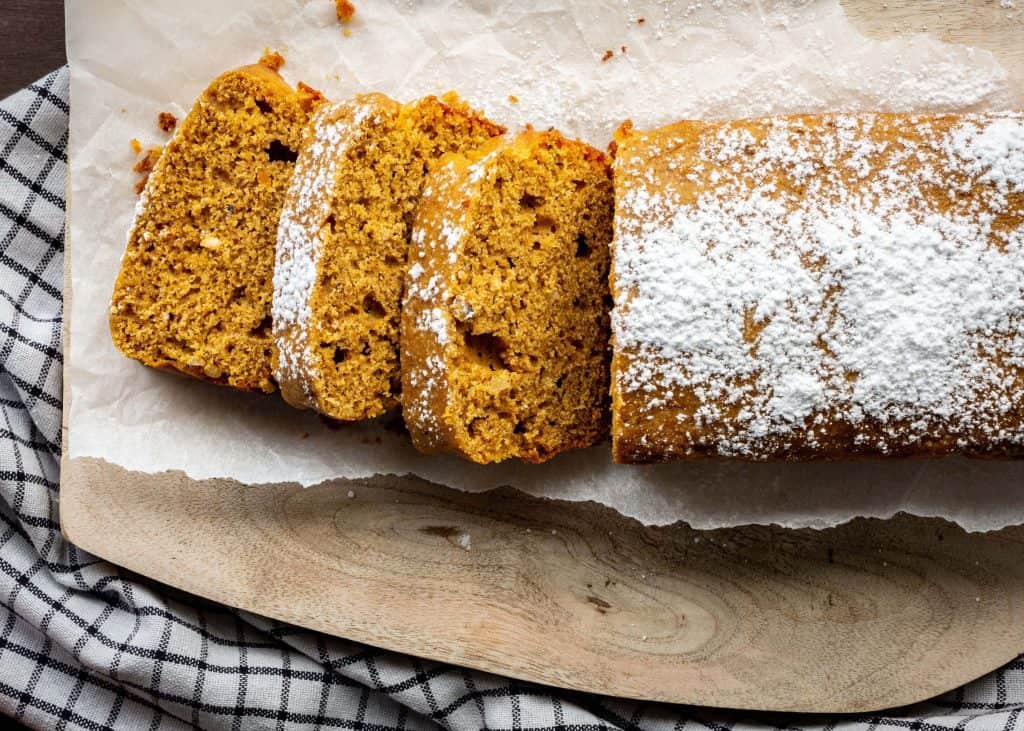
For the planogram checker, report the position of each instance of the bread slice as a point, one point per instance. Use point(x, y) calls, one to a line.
point(506, 313)
point(342, 245)
point(195, 286)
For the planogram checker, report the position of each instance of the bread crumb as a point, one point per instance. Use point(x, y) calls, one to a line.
point(167, 121)
point(272, 60)
point(136, 146)
point(345, 10)
point(147, 163)
point(641, 21)
point(145, 166)
point(623, 48)
point(607, 54)
point(513, 98)
point(309, 97)
point(347, 32)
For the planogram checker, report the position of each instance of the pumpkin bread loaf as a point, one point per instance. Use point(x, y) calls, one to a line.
point(505, 324)
point(342, 245)
point(195, 286)
point(819, 287)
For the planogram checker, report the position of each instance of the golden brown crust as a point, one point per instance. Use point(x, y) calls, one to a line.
point(193, 293)
point(309, 98)
point(504, 324)
point(906, 180)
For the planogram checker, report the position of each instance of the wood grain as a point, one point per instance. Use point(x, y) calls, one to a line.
point(865, 616)
point(31, 41)
point(978, 23)
point(869, 615)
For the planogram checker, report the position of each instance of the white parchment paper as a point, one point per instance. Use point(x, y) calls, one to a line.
point(131, 60)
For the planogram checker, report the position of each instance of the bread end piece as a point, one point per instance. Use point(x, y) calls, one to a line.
point(193, 294)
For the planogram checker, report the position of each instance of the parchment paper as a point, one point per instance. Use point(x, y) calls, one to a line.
point(131, 60)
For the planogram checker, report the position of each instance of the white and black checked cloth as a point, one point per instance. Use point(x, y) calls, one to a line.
point(87, 645)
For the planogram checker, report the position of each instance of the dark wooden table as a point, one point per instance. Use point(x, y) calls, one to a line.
point(31, 41)
point(31, 44)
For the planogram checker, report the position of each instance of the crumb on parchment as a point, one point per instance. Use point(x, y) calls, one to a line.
point(345, 10)
point(166, 121)
point(513, 98)
point(607, 55)
point(145, 166)
point(136, 146)
point(147, 163)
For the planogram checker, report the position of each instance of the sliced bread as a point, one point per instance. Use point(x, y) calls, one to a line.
point(506, 313)
point(342, 245)
point(194, 291)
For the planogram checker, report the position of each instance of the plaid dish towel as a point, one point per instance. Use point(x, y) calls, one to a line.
point(87, 645)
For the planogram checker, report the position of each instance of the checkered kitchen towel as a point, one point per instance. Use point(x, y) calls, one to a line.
point(86, 645)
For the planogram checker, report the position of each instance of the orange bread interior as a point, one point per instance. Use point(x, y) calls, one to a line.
point(194, 290)
point(505, 326)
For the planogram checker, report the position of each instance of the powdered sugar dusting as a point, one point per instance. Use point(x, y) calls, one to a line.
point(307, 206)
point(436, 237)
point(993, 152)
point(866, 271)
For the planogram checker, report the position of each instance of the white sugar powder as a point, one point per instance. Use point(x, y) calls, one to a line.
point(992, 152)
point(307, 207)
point(436, 237)
point(868, 299)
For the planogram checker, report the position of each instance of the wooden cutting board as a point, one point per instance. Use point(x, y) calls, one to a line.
point(866, 616)
point(869, 615)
